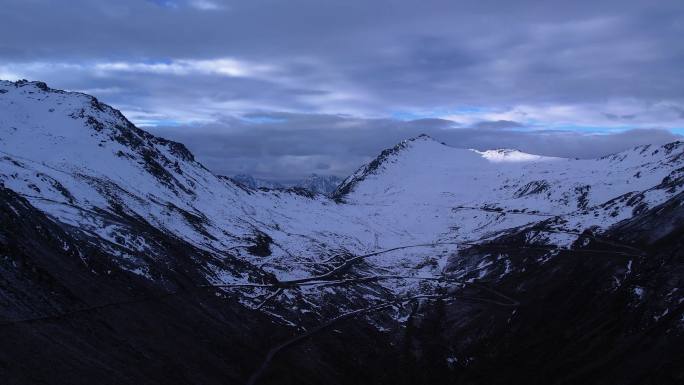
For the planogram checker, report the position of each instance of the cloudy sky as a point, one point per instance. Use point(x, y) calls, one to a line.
point(284, 88)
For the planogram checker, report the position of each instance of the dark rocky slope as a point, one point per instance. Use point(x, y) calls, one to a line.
point(609, 311)
point(68, 315)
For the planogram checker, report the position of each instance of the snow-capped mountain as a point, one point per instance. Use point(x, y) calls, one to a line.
point(256, 183)
point(98, 213)
point(467, 194)
point(320, 184)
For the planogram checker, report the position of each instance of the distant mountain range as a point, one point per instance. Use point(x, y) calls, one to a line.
point(123, 260)
point(321, 184)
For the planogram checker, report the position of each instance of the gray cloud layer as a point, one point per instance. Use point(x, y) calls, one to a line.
point(327, 75)
point(302, 144)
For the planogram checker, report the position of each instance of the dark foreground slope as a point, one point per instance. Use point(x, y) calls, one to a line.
point(68, 315)
point(610, 311)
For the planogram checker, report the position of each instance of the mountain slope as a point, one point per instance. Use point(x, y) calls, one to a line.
point(69, 314)
point(84, 164)
point(609, 310)
point(481, 192)
point(86, 167)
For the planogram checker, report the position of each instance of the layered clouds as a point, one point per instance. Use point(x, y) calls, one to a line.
point(284, 88)
point(287, 146)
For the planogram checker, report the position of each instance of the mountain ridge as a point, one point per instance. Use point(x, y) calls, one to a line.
point(184, 198)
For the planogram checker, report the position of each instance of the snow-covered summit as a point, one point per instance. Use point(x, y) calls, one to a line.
point(421, 142)
point(75, 131)
point(432, 177)
point(512, 155)
point(426, 159)
point(79, 160)
point(321, 184)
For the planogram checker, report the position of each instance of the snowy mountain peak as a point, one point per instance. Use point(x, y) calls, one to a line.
point(512, 155)
point(584, 192)
point(421, 137)
point(74, 131)
point(420, 154)
point(421, 143)
point(322, 184)
point(250, 181)
point(25, 85)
